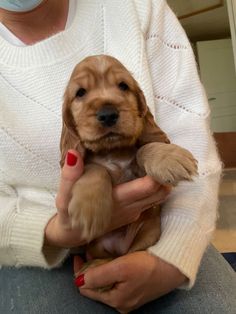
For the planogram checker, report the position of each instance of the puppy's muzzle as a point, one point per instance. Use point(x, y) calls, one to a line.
point(108, 116)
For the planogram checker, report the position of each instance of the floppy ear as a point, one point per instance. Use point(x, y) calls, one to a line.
point(151, 132)
point(69, 136)
point(142, 105)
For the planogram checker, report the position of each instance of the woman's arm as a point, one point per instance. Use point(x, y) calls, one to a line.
point(22, 225)
point(189, 215)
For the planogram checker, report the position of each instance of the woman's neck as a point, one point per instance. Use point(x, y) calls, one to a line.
point(44, 21)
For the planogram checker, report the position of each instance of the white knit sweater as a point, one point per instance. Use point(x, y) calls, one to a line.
point(147, 38)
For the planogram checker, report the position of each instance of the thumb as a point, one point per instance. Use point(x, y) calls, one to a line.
point(78, 264)
point(70, 173)
point(73, 166)
point(101, 276)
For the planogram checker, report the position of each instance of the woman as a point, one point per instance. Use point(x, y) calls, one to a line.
point(40, 43)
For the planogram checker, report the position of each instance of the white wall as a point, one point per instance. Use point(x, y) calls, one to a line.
point(217, 71)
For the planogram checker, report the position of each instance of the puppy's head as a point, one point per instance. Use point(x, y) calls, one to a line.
point(104, 108)
point(103, 104)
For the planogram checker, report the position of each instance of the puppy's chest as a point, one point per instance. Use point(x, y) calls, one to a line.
point(121, 164)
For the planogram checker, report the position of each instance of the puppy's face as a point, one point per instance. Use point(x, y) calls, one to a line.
point(104, 104)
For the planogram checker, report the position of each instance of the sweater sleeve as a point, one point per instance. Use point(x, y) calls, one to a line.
point(22, 224)
point(189, 215)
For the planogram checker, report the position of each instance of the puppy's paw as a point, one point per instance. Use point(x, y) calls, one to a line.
point(169, 164)
point(90, 209)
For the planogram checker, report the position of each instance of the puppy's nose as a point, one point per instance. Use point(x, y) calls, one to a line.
point(107, 116)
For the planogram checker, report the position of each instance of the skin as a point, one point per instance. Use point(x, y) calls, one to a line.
point(135, 274)
point(28, 26)
point(138, 278)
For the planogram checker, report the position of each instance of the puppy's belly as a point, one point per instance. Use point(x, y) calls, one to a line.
point(121, 165)
point(114, 243)
point(136, 236)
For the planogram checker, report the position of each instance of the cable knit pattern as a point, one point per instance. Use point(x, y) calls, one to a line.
point(147, 38)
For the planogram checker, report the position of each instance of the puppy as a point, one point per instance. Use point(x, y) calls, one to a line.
point(106, 118)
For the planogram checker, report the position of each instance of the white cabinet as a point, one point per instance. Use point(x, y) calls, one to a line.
point(217, 73)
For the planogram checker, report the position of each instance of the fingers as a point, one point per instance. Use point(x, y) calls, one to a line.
point(113, 297)
point(70, 173)
point(132, 198)
point(78, 263)
point(104, 297)
point(156, 198)
point(135, 190)
point(96, 277)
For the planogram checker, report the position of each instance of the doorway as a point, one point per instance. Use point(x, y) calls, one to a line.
point(211, 28)
point(209, 25)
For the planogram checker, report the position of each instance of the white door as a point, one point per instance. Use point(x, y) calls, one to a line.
point(217, 71)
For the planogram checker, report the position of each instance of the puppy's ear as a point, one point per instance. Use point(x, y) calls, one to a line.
point(69, 136)
point(151, 132)
point(142, 105)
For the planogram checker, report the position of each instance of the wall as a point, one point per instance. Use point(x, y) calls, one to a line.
point(217, 73)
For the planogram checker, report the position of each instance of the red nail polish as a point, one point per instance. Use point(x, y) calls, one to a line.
point(79, 281)
point(71, 159)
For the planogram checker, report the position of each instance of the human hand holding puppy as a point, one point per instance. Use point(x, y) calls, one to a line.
point(137, 278)
point(130, 200)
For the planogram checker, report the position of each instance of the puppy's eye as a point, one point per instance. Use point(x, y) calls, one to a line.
point(123, 86)
point(81, 92)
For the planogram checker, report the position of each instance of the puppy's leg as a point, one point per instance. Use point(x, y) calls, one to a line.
point(166, 163)
point(150, 231)
point(91, 204)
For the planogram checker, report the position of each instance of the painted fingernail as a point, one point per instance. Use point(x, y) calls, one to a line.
point(79, 281)
point(71, 159)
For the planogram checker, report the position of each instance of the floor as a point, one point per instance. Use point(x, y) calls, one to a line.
point(225, 235)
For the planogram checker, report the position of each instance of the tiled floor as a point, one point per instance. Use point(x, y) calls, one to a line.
point(225, 234)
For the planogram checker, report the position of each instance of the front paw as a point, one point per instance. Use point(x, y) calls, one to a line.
point(90, 209)
point(169, 163)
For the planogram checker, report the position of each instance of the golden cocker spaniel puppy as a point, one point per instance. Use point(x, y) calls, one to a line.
point(106, 118)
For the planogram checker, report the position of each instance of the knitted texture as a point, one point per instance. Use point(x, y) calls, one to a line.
point(148, 39)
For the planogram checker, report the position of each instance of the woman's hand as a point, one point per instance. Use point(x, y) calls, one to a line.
point(137, 278)
point(58, 231)
point(130, 199)
point(133, 197)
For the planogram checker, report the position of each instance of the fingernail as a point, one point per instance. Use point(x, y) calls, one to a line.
point(71, 159)
point(79, 281)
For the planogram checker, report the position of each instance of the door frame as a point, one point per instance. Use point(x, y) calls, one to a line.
point(231, 4)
